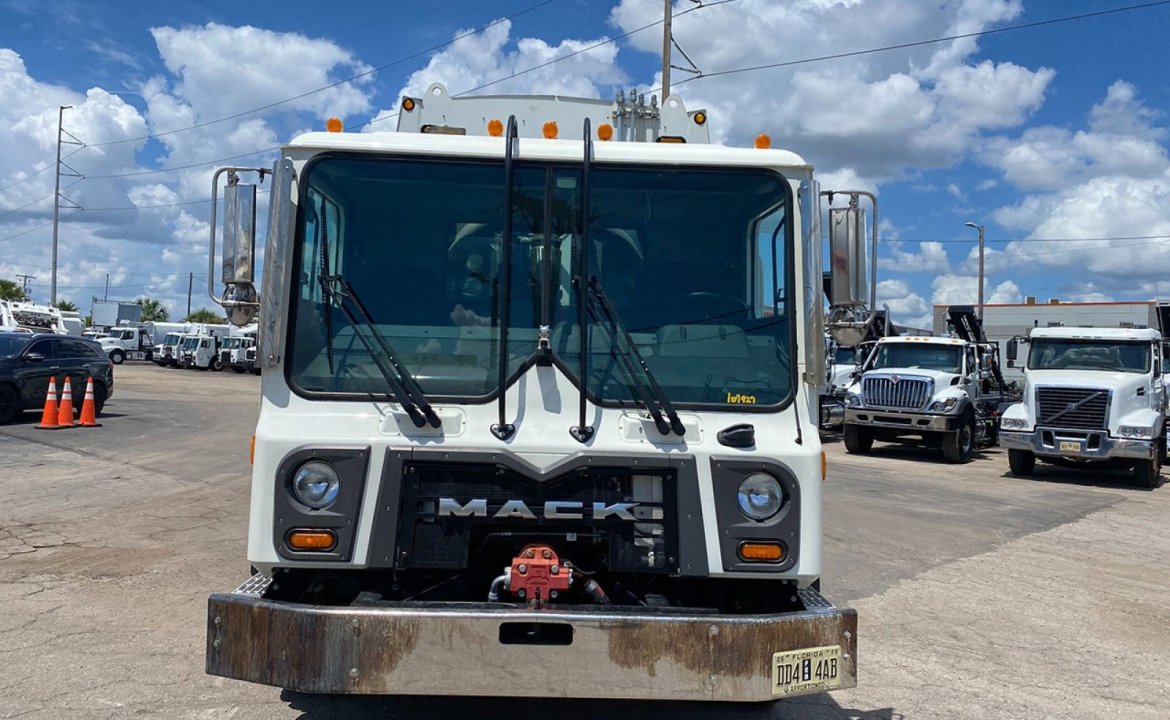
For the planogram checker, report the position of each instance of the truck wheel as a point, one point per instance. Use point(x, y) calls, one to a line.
point(959, 446)
point(1148, 473)
point(858, 439)
point(217, 365)
point(117, 357)
point(1021, 462)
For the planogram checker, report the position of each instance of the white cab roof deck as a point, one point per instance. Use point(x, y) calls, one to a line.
point(1081, 333)
point(469, 146)
point(929, 339)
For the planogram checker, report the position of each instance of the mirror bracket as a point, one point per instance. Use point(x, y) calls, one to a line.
point(240, 299)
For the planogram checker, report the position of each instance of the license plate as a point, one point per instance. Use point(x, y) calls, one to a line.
point(811, 670)
point(1066, 446)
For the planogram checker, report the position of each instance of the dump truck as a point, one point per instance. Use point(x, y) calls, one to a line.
point(538, 409)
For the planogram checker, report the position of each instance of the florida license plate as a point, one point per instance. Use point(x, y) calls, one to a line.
point(1070, 446)
point(801, 671)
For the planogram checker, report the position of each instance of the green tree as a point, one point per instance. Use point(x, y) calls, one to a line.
point(66, 306)
point(152, 310)
point(11, 290)
point(204, 315)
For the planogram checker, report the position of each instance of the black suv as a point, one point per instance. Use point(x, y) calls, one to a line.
point(27, 361)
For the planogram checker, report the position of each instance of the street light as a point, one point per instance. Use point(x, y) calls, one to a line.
point(980, 229)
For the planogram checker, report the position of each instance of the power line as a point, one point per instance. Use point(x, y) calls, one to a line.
point(32, 175)
point(25, 232)
point(1032, 240)
point(330, 86)
point(920, 43)
point(186, 167)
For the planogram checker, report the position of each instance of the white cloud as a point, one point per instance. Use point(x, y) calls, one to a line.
point(964, 290)
point(906, 307)
point(930, 257)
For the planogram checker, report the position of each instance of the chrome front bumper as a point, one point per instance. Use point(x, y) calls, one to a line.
point(499, 650)
point(910, 422)
point(1093, 445)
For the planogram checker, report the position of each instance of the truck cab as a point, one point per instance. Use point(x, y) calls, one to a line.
point(169, 352)
point(233, 353)
point(202, 352)
point(944, 391)
point(128, 343)
point(1091, 395)
point(537, 411)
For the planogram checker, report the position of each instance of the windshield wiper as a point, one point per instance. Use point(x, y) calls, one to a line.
point(582, 432)
point(504, 429)
point(654, 400)
point(405, 388)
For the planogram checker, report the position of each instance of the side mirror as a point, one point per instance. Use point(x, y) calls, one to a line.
point(240, 300)
point(847, 256)
point(1013, 350)
point(33, 357)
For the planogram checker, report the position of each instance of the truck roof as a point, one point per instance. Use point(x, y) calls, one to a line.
point(1082, 333)
point(929, 339)
point(492, 148)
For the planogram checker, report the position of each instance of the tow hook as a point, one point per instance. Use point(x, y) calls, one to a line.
point(536, 576)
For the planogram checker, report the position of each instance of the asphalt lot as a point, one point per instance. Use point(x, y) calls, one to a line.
point(980, 595)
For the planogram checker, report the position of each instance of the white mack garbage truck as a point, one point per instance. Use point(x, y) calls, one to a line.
point(1091, 396)
point(539, 410)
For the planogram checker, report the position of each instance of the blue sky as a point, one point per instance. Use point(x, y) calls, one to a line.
point(1055, 132)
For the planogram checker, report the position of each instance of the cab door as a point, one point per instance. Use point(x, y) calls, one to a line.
point(1158, 389)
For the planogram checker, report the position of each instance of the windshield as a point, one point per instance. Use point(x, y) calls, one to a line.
point(231, 343)
point(1053, 354)
point(845, 356)
point(10, 346)
point(685, 255)
point(918, 356)
point(190, 343)
point(171, 339)
point(125, 335)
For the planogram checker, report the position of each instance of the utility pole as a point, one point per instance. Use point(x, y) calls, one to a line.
point(190, 284)
point(24, 282)
point(57, 193)
point(980, 229)
point(668, 11)
point(107, 295)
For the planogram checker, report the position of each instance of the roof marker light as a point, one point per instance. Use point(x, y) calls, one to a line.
point(763, 141)
point(408, 104)
point(700, 118)
point(333, 124)
point(495, 127)
point(605, 131)
point(550, 129)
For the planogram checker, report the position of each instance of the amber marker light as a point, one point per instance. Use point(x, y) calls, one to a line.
point(700, 118)
point(495, 127)
point(763, 141)
point(761, 552)
point(605, 131)
point(408, 104)
point(252, 451)
point(824, 466)
point(333, 124)
point(550, 129)
point(319, 540)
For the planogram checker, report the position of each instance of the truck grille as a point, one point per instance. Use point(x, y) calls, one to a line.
point(1074, 408)
point(908, 393)
point(429, 539)
point(225, 356)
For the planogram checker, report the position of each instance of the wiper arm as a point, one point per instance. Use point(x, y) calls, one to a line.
point(403, 384)
point(655, 401)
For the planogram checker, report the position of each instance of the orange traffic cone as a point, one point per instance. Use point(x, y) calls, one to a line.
point(65, 411)
point(49, 417)
point(88, 409)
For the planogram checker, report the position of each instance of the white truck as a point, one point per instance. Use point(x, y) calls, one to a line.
point(233, 353)
point(1091, 395)
point(20, 316)
point(201, 351)
point(170, 345)
point(129, 343)
point(539, 427)
point(941, 391)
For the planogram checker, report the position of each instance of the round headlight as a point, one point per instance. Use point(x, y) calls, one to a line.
point(316, 484)
point(760, 496)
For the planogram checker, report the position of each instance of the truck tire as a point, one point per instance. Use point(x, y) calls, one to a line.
point(117, 356)
point(1021, 462)
point(217, 365)
point(959, 446)
point(858, 439)
point(1148, 473)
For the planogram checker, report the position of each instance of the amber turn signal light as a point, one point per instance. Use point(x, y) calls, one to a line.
point(761, 552)
point(319, 540)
